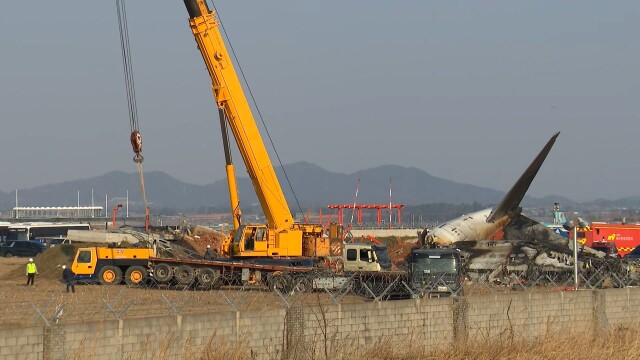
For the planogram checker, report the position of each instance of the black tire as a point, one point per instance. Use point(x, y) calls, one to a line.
point(110, 275)
point(8, 254)
point(185, 275)
point(135, 275)
point(209, 278)
point(163, 273)
point(279, 282)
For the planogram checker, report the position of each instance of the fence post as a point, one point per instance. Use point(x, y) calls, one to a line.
point(460, 323)
point(600, 321)
point(293, 332)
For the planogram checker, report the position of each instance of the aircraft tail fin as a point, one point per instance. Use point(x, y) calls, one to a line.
point(510, 203)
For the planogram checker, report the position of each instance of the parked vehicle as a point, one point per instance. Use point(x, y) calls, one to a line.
point(625, 236)
point(42, 232)
point(436, 272)
point(59, 241)
point(22, 248)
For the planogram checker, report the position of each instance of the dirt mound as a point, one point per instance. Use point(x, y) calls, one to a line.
point(400, 249)
point(202, 236)
point(48, 263)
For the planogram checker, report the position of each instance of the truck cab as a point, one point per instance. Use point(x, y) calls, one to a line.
point(436, 272)
point(111, 265)
point(365, 257)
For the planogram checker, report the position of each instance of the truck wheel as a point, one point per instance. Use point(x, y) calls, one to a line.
point(209, 278)
point(185, 275)
point(279, 282)
point(302, 285)
point(162, 273)
point(110, 275)
point(135, 275)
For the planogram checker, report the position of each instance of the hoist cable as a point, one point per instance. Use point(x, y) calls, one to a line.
point(255, 104)
point(136, 139)
point(126, 63)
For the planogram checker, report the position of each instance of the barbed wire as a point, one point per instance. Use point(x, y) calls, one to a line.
point(99, 302)
point(24, 306)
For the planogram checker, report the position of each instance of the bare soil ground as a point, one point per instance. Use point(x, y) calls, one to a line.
point(9, 267)
point(25, 305)
point(30, 305)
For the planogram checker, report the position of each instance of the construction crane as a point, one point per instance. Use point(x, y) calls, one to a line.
point(136, 137)
point(280, 236)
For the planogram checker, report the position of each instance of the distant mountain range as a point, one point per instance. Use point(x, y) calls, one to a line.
point(314, 187)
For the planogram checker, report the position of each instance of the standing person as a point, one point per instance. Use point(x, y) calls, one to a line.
point(32, 270)
point(69, 278)
point(209, 255)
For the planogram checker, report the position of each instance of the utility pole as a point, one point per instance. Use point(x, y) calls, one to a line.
point(571, 226)
point(92, 204)
point(390, 204)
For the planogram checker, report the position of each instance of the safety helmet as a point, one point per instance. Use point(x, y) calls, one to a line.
point(208, 246)
point(30, 260)
point(64, 266)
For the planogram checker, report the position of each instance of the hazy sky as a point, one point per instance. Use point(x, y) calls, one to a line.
point(466, 90)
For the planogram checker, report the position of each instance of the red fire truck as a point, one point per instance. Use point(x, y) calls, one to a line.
point(625, 236)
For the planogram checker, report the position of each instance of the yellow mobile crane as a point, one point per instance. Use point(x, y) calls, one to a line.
point(281, 236)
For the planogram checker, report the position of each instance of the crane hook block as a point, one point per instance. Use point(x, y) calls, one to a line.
point(136, 144)
point(137, 158)
point(136, 141)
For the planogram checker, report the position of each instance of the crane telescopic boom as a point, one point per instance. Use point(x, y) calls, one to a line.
point(281, 236)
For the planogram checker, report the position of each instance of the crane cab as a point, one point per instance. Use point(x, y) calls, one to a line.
point(257, 240)
point(249, 240)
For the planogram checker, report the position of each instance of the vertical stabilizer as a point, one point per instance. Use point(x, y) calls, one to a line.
point(510, 204)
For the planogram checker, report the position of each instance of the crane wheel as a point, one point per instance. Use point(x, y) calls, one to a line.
point(110, 275)
point(162, 273)
point(279, 282)
point(135, 275)
point(185, 275)
point(302, 285)
point(209, 278)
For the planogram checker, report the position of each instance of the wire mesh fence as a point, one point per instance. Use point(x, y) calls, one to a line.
point(26, 306)
point(50, 303)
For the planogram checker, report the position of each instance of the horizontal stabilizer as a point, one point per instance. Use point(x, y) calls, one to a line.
point(510, 204)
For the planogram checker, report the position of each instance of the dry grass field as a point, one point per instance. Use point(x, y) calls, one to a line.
point(617, 344)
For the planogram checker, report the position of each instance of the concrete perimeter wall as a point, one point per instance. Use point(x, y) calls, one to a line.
point(429, 323)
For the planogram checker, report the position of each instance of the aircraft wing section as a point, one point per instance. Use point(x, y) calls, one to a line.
point(511, 201)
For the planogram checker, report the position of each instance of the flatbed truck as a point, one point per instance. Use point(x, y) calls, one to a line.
point(363, 269)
